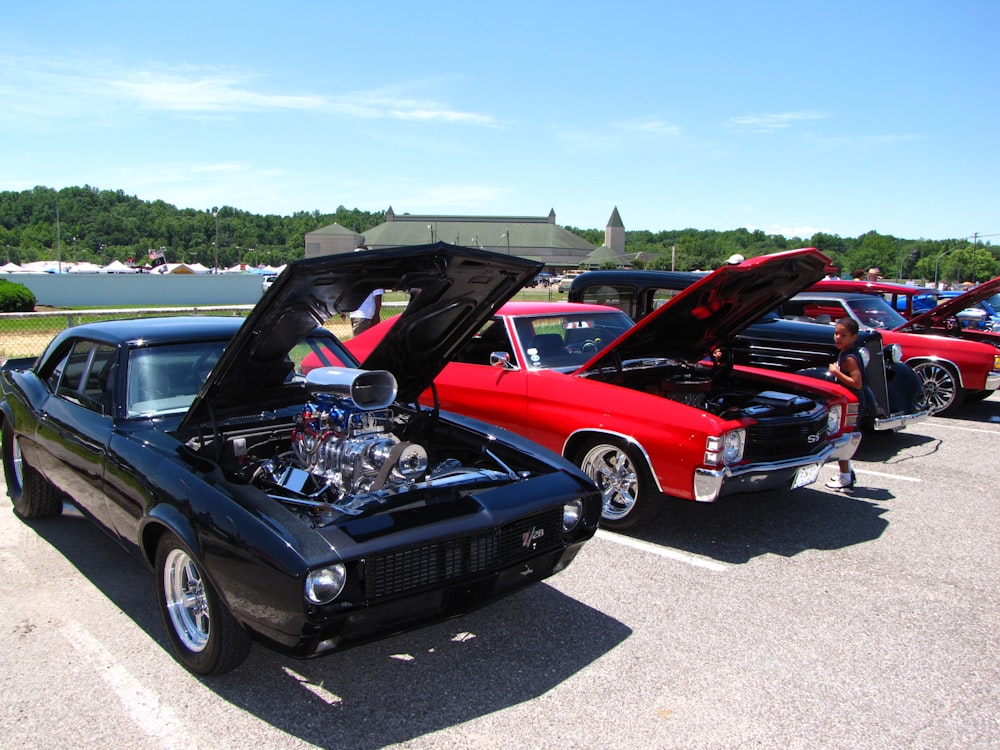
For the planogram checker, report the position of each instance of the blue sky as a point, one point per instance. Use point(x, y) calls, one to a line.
point(789, 117)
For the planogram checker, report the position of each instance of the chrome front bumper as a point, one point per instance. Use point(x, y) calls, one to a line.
point(711, 484)
point(899, 421)
point(992, 381)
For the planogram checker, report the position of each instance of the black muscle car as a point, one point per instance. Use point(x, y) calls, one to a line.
point(773, 342)
point(310, 512)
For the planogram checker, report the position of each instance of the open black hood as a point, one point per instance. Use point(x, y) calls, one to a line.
point(454, 292)
point(716, 307)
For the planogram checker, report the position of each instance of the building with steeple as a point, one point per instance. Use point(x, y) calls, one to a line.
point(535, 237)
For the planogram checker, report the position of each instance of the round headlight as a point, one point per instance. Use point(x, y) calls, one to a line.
point(572, 513)
point(732, 449)
point(833, 418)
point(324, 585)
point(894, 353)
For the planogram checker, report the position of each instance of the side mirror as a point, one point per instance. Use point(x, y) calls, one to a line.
point(501, 360)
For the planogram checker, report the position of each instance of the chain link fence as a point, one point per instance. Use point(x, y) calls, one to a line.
point(27, 334)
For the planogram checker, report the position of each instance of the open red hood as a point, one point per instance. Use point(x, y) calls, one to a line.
point(950, 306)
point(715, 308)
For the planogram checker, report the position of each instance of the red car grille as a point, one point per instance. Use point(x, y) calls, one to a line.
point(785, 439)
point(433, 565)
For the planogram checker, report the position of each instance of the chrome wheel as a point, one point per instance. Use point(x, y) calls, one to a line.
point(941, 389)
point(616, 477)
point(186, 601)
point(206, 637)
point(14, 467)
point(624, 479)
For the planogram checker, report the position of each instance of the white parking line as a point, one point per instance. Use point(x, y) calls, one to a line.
point(144, 706)
point(882, 474)
point(966, 429)
point(667, 552)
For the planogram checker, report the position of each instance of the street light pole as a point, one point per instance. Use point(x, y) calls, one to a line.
point(215, 213)
point(936, 261)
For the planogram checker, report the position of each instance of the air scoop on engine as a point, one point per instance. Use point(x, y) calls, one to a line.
point(363, 389)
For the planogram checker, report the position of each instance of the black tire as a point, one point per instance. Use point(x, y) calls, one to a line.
point(205, 636)
point(33, 495)
point(942, 392)
point(621, 473)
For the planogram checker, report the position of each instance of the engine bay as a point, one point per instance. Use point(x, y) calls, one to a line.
point(713, 388)
point(351, 450)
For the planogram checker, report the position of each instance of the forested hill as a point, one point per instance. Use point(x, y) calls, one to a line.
point(104, 225)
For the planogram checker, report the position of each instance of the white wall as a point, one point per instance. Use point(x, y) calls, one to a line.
point(136, 290)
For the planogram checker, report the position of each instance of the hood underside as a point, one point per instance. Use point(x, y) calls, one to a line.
point(453, 291)
point(952, 306)
point(712, 310)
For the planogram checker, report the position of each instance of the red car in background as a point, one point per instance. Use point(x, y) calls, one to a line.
point(907, 299)
point(952, 370)
point(928, 311)
point(653, 408)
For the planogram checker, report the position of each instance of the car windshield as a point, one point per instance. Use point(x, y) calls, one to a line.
point(568, 340)
point(165, 379)
point(875, 312)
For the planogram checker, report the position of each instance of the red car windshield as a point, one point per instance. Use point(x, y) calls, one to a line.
point(567, 341)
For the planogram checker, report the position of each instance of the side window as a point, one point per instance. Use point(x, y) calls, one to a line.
point(54, 375)
point(622, 297)
point(85, 376)
point(492, 337)
point(657, 297)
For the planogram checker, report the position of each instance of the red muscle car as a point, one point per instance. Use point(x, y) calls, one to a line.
point(970, 315)
point(648, 409)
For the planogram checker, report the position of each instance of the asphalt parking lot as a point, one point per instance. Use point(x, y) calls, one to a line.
point(806, 619)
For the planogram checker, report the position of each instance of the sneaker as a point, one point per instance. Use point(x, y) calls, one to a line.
point(837, 482)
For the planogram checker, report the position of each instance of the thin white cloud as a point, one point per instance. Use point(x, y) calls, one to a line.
point(28, 88)
point(200, 93)
point(769, 123)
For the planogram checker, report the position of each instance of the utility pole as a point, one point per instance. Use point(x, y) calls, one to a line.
point(975, 241)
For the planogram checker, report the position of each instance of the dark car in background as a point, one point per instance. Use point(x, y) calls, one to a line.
point(951, 369)
point(771, 341)
point(309, 511)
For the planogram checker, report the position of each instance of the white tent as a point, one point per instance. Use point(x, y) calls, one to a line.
point(11, 268)
point(83, 267)
point(116, 266)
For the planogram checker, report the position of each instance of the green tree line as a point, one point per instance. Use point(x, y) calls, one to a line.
point(100, 226)
point(927, 261)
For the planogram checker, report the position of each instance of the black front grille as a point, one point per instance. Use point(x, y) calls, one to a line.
point(780, 439)
point(432, 565)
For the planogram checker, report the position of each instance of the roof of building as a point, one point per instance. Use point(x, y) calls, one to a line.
point(535, 237)
point(334, 228)
point(605, 254)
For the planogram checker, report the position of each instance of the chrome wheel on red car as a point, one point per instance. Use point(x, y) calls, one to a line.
point(942, 393)
point(624, 480)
